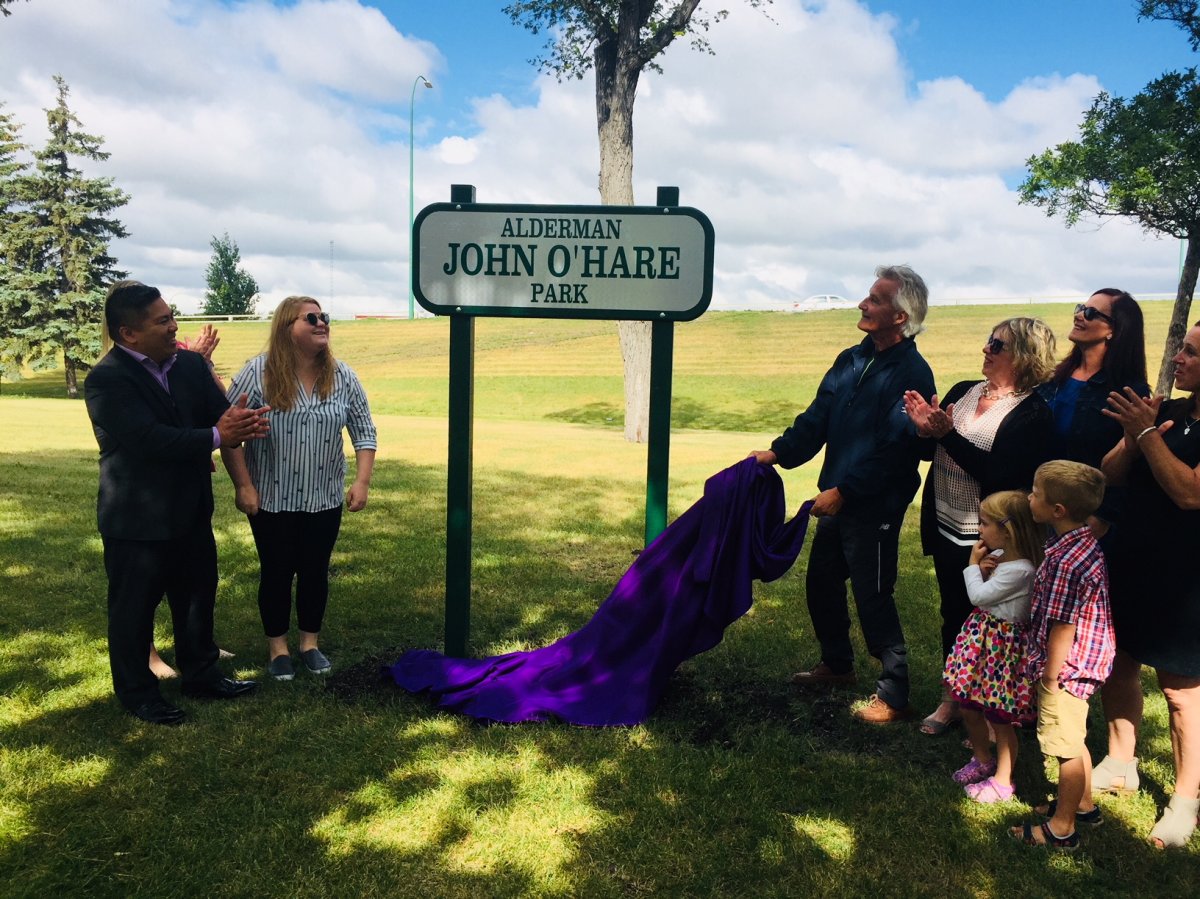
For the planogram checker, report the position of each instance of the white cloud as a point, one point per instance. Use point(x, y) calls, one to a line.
point(803, 139)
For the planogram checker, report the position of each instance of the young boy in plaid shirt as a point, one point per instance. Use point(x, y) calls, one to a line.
point(1071, 645)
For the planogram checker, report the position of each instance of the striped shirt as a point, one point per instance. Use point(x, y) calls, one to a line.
point(300, 466)
point(1071, 586)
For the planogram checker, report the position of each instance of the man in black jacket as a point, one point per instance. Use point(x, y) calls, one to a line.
point(868, 478)
point(158, 416)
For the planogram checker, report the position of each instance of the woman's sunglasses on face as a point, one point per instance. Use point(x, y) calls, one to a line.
point(1091, 313)
point(994, 345)
point(313, 317)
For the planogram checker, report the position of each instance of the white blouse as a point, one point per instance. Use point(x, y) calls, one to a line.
point(300, 466)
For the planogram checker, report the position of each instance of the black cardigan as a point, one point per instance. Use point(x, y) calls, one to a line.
point(1024, 440)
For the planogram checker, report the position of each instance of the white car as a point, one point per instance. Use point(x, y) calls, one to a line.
point(819, 301)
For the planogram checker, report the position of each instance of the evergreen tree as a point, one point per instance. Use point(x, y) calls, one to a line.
point(55, 246)
point(23, 247)
point(231, 289)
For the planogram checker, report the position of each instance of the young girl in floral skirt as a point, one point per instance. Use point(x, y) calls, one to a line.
point(984, 669)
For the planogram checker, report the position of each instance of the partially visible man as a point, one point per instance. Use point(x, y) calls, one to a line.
point(868, 478)
point(158, 415)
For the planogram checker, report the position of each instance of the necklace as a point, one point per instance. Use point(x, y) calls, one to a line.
point(1187, 424)
point(992, 393)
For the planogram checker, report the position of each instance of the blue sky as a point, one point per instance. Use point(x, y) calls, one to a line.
point(991, 44)
point(836, 135)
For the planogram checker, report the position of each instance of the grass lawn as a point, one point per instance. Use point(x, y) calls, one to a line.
point(738, 786)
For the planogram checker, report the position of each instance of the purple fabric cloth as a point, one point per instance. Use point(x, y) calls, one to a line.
point(675, 601)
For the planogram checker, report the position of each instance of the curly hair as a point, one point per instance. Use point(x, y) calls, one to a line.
point(1031, 343)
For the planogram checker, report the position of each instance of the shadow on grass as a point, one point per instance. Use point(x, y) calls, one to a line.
point(691, 414)
point(48, 384)
point(737, 786)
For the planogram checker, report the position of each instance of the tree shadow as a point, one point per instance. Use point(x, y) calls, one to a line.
point(737, 785)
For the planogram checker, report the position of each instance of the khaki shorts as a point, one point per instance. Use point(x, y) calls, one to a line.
point(1062, 723)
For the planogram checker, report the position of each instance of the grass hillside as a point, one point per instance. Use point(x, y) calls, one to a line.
point(738, 786)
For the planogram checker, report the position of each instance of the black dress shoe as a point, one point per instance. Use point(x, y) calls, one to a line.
point(159, 711)
point(225, 688)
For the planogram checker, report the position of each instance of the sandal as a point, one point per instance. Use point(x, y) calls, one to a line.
point(990, 792)
point(1118, 778)
point(1093, 818)
point(934, 728)
point(1177, 823)
point(1039, 834)
point(973, 772)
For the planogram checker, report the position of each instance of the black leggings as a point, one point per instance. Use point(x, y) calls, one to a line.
point(294, 545)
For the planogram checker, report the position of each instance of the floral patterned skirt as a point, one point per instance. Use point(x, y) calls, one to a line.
point(984, 670)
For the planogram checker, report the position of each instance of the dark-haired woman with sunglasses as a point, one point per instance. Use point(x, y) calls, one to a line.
point(1108, 352)
point(292, 484)
point(990, 436)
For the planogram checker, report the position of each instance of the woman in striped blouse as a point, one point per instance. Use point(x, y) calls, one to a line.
point(290, 484)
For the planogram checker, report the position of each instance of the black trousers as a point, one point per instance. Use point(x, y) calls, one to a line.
point(294, 545)
point(140, 573)
point(863, 549)
point(949, 560)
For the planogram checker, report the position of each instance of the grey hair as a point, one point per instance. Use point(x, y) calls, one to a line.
point(912, 298)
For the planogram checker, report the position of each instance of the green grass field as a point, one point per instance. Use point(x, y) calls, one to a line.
point(738, 786)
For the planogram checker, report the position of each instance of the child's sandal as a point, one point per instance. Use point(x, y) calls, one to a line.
point(1093, 818)
point(973, 772)
point(1177, 823)
point(990, 792)
point(1039, 834)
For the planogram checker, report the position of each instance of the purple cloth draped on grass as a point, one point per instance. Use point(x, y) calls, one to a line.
point(675, 601)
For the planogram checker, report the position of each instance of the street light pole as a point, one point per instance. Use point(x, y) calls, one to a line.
point(412, 102)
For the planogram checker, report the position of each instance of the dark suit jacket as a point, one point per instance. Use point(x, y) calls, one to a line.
point(155, 447)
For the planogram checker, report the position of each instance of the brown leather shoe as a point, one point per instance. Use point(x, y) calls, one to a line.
point(876, 711)
point(821, 675)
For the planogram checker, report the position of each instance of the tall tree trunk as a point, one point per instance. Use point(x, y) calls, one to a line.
point(72, 378)
point(617, 72)
point(1181, 314)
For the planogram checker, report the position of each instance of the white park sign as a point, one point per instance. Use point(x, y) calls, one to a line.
point(611, 262)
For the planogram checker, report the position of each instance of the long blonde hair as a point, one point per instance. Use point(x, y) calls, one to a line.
point(279, 372)
point(1010, 510)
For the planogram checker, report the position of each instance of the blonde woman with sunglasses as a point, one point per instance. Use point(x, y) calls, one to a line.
point(292, 485)
point(991, 435)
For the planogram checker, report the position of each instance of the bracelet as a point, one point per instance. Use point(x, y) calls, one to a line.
point(1138, 438)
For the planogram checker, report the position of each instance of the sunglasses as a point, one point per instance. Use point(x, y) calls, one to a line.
point(1091, 313)
point(994, 345)
point(313, 317)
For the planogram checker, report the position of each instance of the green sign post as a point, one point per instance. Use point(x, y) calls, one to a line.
point(597, 262)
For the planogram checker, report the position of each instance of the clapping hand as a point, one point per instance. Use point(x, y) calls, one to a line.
point(930, 419)
point(206, 341)
point(1136, 414)
point(240, 423)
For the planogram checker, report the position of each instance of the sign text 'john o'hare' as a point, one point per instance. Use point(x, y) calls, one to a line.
point(563, 261)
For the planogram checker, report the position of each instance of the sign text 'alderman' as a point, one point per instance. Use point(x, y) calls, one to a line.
point(619, 262)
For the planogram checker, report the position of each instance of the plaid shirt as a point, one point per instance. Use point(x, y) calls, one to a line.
point(1071, 587)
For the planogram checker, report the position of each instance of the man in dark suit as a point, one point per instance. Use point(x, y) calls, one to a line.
point(158, 415)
